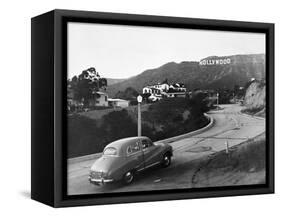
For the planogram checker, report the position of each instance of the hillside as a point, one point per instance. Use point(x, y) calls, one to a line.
point(255, 98)
point(111, 81)
point(241, 69)
point(245, 165)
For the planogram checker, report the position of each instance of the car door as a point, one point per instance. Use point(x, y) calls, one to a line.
point(150, 153)
point(135, 156)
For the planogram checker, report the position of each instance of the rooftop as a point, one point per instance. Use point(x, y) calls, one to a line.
point(99, 92)
point(123, 143)
point(117, 100)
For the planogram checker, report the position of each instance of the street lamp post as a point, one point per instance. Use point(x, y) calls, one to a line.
point(139, 99)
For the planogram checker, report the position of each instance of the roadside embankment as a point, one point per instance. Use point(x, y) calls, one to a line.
point(255, 99)
point(244, 164)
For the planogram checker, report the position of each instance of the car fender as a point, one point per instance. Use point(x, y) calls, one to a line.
point(125, 166)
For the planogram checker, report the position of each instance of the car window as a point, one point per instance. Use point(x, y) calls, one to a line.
point(110, 151)
point(133, 148)
point(146, 144)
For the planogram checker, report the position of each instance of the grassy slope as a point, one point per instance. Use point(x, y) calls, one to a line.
point(244, 165)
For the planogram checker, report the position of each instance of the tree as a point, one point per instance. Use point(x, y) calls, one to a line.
point(146, 97)
point(117, 125)
point(86, 85)
point(129, 94)
point(198, 103)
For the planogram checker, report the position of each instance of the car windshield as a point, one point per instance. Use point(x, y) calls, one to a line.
point(110, 151)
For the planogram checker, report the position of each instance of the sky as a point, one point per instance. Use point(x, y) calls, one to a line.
point(120, 51)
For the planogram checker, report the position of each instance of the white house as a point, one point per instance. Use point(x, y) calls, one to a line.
point(118, 103)
point(161, 87)
point(158, 91)
point(147, 89)
point(177, 87)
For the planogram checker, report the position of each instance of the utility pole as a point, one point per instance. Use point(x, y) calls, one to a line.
point(139, 99)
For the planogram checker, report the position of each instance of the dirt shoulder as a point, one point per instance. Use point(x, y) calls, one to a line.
point(243, 165)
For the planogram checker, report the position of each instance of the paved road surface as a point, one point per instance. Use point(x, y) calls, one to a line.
point(230, 125)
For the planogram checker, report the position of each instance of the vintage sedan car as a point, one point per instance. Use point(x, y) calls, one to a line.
point(122, 159)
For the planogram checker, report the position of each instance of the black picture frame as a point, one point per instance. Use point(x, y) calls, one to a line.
point(49, 68)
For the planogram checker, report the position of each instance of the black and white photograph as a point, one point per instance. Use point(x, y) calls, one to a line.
point(143, 108)
point(158, 108)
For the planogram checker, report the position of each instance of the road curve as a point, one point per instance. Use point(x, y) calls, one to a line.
point(229, 126)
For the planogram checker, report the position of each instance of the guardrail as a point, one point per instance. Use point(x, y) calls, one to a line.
point(172, 139)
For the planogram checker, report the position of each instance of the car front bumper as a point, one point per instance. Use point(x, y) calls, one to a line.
point(101, 181)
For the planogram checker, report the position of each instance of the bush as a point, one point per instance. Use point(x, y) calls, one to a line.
point(117, 125)
point(166, 117)
point(83, 136)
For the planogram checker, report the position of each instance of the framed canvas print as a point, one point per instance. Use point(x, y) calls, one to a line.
point(131, 108)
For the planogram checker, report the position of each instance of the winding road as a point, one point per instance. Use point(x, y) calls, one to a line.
point(230, 126)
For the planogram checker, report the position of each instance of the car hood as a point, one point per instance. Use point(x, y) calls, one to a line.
point(106, 163)
point(161, 144)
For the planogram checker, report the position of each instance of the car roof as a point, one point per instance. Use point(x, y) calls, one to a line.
point(122, 144)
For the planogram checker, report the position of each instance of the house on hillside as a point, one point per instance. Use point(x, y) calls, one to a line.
point(161, 87)
point(121, 103)
point(146, 89)
point(177, 87)
point(155, 93)
point(159, 91)
point(99, 99)
point(175, 93)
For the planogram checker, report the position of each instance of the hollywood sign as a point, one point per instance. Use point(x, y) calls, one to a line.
point(215, 62)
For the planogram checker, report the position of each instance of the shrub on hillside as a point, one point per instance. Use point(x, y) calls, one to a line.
point(171, 110)
point(166, 111)
point(117, 125)
point(167, 118)
point(198, 103)
point(83, 136)
point(128, 94)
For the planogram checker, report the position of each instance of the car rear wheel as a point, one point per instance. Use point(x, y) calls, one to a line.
point(166, 161)
point(128, 177)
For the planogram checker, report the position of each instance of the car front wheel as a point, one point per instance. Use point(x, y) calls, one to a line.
point(128, 177)
point(166, 161)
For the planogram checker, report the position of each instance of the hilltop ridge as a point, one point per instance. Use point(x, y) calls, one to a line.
point(238, 72)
